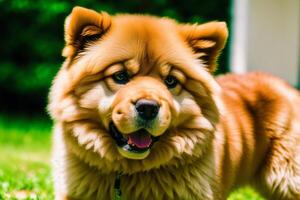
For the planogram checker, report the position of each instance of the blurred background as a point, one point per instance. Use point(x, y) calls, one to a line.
point(32, 40)
point(264, 35)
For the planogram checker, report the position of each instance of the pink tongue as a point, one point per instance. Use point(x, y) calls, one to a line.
point(141, 140)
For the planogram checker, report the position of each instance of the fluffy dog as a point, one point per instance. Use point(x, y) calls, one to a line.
point(135, 104)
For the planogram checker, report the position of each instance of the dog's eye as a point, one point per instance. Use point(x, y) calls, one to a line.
point(171, 81)
point(121, 77)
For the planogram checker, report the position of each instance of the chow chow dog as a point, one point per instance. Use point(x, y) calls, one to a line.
point(137, 113)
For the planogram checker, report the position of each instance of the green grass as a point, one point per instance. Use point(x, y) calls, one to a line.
point(25, 161)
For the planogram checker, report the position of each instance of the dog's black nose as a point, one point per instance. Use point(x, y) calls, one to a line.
point(147, 109)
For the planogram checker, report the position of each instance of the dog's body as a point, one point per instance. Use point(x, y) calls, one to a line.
point(213, 137)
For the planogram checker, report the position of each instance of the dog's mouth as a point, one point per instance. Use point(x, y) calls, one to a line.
point(135, 145)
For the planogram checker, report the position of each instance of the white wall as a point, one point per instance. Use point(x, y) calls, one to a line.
point(266, 37)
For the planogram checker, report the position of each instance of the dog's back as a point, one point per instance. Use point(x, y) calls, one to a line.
point(262, 134)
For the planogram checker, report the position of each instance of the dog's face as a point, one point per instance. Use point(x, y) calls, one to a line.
point(137, 89)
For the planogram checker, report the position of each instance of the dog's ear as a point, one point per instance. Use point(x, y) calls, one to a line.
point(83, 26)
point(206, 41)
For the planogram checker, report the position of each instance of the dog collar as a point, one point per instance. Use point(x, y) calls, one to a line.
point(117, 187)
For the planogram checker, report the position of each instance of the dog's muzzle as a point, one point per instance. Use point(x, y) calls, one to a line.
point(135, 145)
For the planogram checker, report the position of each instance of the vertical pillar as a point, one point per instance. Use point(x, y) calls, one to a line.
point(266, 37)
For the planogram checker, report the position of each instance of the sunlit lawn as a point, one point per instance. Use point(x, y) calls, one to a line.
point(25, 161)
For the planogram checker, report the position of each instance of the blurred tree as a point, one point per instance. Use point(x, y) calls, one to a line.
point(32, 40)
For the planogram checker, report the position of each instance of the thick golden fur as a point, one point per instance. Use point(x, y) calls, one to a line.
point(214, 135)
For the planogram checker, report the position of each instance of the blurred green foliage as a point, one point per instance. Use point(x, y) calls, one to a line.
point(32, 39)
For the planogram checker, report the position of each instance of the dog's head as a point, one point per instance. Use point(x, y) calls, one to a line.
point(137, 89)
